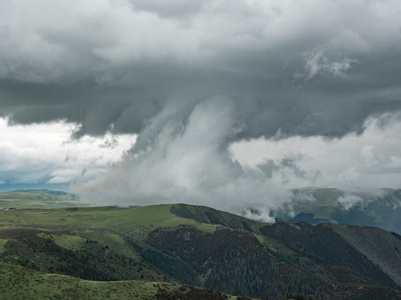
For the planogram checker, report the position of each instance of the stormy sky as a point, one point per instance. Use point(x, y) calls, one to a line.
point(215, 102)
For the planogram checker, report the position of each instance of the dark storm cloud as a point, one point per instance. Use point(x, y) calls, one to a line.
point(115, 65)
point(272, 168)
point(173, 9)
point(284, 67)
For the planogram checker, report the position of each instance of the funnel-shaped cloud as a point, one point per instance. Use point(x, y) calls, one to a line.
point(290, 69)
point(188, 161)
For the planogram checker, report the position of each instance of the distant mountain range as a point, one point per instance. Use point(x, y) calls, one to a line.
point(191, 245)
point(321, 205)
point(313, 205)
point(38, 199)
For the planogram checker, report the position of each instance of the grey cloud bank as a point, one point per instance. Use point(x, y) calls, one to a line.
point(316, 67)
point(238, 70)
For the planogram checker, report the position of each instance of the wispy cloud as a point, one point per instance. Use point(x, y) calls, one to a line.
point(317, 62)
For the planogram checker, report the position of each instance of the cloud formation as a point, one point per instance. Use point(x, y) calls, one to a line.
point(316, 62)
point(278, 70)
point(188, 162)
point(45, 154)
point(116, 64)
point(370, 159)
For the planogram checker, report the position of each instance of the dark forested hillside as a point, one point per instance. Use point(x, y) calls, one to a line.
point(203, 247)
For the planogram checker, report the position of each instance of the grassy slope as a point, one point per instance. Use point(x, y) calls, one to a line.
point(136, 222)
point(3, 242)
point(378, 245)
point(75, 229)
point(107, 225)
point(38, 199)
point(23, 283)
point(69, 242)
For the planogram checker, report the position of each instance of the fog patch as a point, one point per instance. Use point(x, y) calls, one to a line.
point(349, 201)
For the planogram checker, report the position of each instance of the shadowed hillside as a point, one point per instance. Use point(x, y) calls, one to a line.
point(22, 283)
point(203, 247)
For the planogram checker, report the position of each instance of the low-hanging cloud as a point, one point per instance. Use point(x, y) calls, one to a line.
point(355, 161)
point(286, 69)
point(188, 161)
point(348, 201)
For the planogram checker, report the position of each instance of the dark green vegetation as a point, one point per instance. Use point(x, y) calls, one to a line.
point(23, 283)
point(322, 205)
point(103, 249)
point(38, 199)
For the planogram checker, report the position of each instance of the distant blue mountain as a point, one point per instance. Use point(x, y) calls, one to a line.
point(53, 187)
point(328, 205)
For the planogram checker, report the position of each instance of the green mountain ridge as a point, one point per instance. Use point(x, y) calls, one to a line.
point(22, 283)
point(204, 247)
point(29, 199)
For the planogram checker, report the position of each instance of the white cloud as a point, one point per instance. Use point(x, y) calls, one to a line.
point(371, 159)
point(316, 62)
point(348, 201)
point(187, 163)
point(45, 153)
